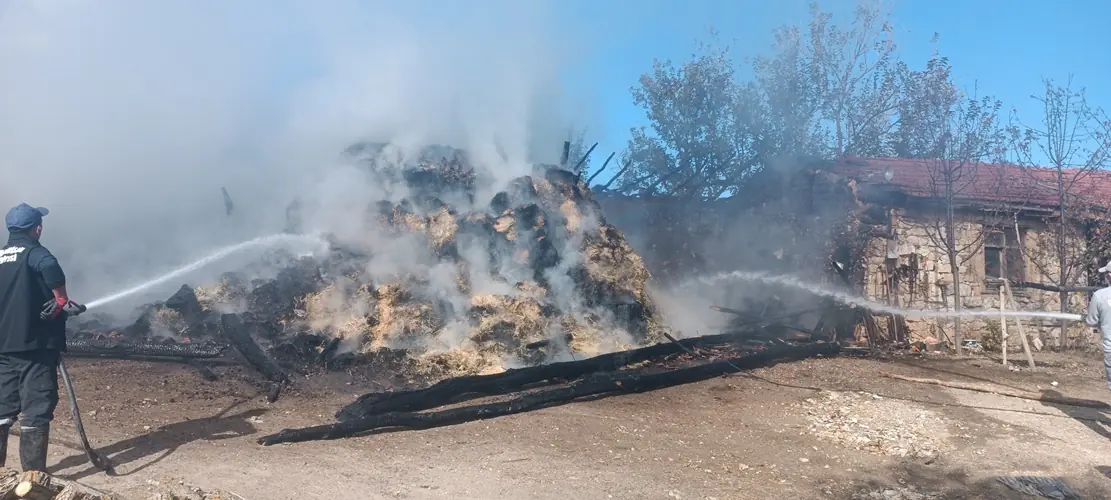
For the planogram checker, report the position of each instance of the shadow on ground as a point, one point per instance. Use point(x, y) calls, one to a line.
point(914, 481)
point(166, 439)
point(909, 480)
point(1096, 419)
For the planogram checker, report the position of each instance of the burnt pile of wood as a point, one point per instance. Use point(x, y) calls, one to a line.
point(37, 485)
point(478, 397)
point(535, 263)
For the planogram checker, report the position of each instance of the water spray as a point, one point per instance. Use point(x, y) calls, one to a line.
point(852, 300)
point(308, 244)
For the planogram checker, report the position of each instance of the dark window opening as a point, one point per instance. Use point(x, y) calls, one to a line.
point(993, 262)
point(1003, 255)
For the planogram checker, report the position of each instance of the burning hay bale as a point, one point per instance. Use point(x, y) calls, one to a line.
point(401, 317)
point(340, 314)
point(460, 361)
point(546, 264)
point(182, 316)
point(228, 290)
point(463, 285)
point(508, 323)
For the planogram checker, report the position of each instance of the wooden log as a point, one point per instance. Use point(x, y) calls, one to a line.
point(89, 493)
point(35, 485)
point(597, 385)
point(240, 339)
point(9, 479)
point(1033, 396)
point(459, 389)
point(74, 492)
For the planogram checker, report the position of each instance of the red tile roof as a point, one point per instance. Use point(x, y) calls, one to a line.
point(979, 182)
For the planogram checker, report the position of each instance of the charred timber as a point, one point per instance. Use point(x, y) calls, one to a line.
point(459, 389)
point(597, 385)
point(109, 348)
point(545, 343)
point(240, 338)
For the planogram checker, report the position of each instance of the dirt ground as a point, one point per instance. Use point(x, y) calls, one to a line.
point(823, 428)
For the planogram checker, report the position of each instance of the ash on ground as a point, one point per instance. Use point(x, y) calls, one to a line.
point(879, 425)
point(434, 278)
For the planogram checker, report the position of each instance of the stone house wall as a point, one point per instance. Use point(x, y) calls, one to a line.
point(912, 271)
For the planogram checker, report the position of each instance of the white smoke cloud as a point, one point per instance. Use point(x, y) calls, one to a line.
point(126, 118)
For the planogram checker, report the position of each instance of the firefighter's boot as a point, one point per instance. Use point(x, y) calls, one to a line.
point(33, 442)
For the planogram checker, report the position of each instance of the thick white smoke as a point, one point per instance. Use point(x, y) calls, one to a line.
point(126, 118)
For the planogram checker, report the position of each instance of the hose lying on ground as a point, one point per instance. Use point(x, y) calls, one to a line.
point(121, 347)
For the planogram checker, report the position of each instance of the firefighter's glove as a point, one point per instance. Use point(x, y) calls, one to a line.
point(60, 308)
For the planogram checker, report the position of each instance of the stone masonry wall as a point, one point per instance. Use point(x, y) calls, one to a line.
point(923, 279)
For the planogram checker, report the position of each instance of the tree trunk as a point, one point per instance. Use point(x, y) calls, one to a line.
point(954, 264)
point(955, 268)
point(1062, 257)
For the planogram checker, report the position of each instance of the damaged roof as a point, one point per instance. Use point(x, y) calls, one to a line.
point(976, 182)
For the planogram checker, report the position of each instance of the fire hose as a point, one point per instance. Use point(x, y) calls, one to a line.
point(98, 459)
point(52, 309)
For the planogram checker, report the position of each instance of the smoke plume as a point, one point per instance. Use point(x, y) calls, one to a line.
point(127, 118)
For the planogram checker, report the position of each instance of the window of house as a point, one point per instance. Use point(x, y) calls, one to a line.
point(1003, 256)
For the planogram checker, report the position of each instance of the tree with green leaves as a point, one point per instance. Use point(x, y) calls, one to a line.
point(826, 91)
point(689, 147)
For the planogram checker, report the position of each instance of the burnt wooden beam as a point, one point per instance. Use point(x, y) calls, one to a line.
point(240, 338)
point(596, 385)
point(583, 159)
point(600, 170)
point(458, 389)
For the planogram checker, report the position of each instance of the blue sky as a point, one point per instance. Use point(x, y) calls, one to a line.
point(1002, 48)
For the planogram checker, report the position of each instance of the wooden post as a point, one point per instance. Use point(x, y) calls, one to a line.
point(1021, 330)
point(1003, 324)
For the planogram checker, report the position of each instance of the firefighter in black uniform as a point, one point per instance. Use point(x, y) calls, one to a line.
point(33, 311)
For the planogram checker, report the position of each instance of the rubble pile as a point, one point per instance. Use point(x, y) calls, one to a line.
point(883, 426)
point(42, 486)
point(536, 262)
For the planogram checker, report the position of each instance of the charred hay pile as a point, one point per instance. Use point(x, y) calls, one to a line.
point(535, 264)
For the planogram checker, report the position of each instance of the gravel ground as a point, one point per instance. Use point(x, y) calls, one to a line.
point(820, 428)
